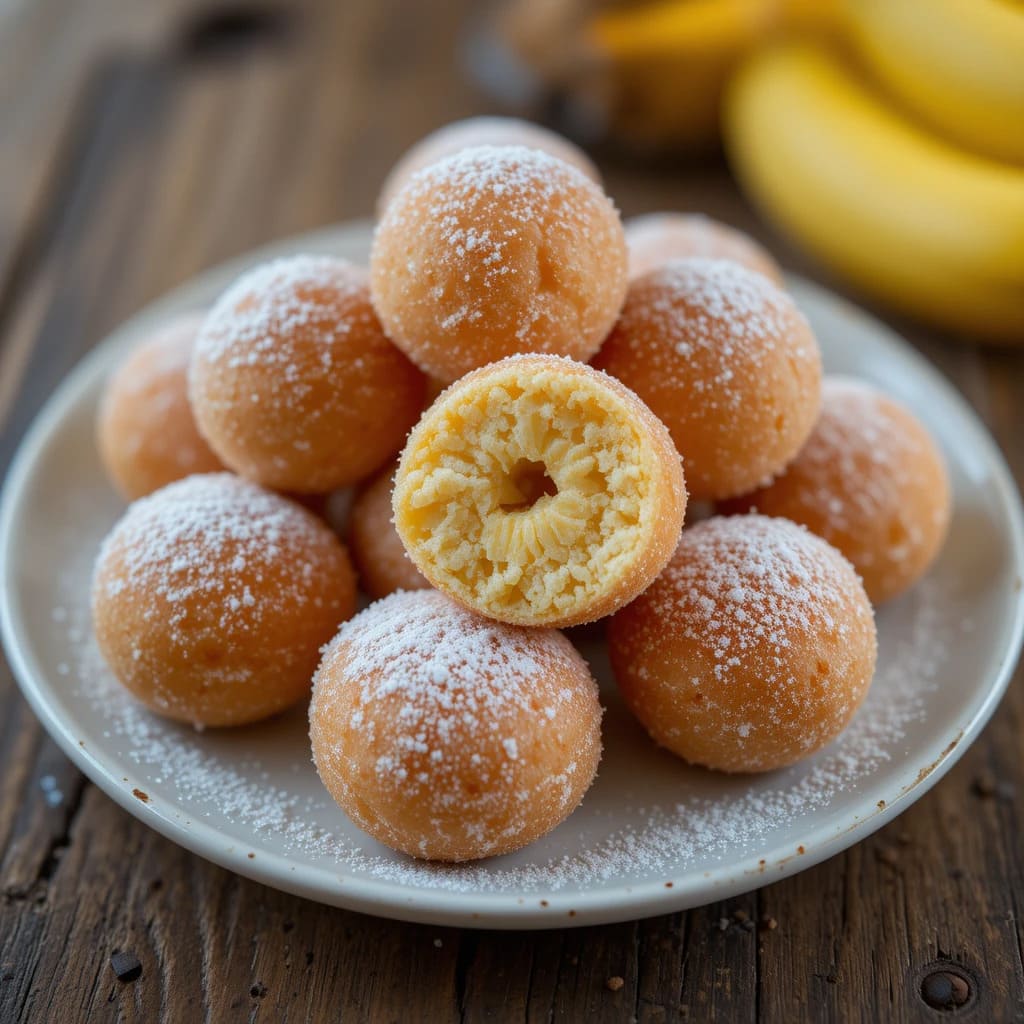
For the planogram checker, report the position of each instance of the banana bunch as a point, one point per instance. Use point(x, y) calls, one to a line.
point(884, 136)
point(663, 66)
point(910, 218)
point(958, 65)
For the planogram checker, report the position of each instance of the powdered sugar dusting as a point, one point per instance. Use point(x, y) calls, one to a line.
point(755, 584)
point(312, 294)
point(433, 714)
point(211, 537)
point(728, 307)
point(869, 480)
point(145, 426)
point(293, 380)
point(656, 238)
point(776, 634)
point(449, 668)
point(727, 361)
point(629, 825)
point(212, 596)
point(493, 251)
point(476, 131)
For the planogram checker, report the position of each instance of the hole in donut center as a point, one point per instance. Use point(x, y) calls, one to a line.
point(528, 482)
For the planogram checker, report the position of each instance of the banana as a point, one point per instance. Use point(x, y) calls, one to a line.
point(930, 229)
point(956, 64)
point(667, 63)
point(688, 29)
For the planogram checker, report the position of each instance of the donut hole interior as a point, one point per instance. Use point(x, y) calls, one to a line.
point(526, 483)
point(528, 495)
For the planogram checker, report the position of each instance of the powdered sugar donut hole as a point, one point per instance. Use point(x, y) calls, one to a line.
point(481, 131)
point(752, 650)
point(293, 382)
point(871, 481)
point(451, 737)
point(727, 362)
point(655, 238)
point(145, 431)
point(212, 597)
point(497, 251)
point(380, 557)
point(540, 492)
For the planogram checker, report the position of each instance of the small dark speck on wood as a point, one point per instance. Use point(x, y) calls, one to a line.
point(234, 30)
point(126, 966)
point(945, 990)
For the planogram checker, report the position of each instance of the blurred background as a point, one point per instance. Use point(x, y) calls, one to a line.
point(877, 144)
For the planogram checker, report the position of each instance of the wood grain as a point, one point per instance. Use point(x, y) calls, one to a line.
point(141, 145)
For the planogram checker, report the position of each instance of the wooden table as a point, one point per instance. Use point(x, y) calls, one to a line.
point(144, 141)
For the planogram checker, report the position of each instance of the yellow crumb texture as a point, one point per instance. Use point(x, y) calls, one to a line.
point(531, 491)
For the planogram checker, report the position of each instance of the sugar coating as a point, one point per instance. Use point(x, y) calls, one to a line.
point(539, 491)
point(145, 431)
point(496, 251)
point(752, 649)
point(481, 131)
point(293, 381)
point(381, 560)
point(654, 239)
point(254, 800)
point(871, 481)
point(449, 736)
point(211, 598)
point(727, 362)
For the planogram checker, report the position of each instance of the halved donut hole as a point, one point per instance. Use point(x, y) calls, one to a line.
point(527, 482)
point(534, 491)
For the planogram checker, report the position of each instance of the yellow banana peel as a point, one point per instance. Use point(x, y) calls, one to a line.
point(669, 62)
point(932, 230)
point(692, 28)
point(958, 65)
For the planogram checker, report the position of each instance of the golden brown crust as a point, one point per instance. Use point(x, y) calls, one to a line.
point(449, 736)
point(145, 431)
point(380, 557)
point(497, 251)
point(655, 238)
point(752, 650)
point(480, 131)
point(871, 481)
point(729, 364)
point(212, 597)
point(293, 381)
point(604, 528)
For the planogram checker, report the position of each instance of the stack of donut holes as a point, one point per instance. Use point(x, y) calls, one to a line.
point(513, 404)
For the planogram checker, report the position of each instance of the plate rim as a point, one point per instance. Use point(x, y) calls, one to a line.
point(501, 909)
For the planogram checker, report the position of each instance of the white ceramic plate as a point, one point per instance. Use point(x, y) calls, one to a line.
point(653, 835)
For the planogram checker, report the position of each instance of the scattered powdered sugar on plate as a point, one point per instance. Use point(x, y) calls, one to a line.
point(613, 834)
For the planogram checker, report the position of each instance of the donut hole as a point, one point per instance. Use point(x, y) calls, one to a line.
point(429, 727)
point(535, 488)
point(527, 483)
point(771, 696)
point(871, 481)
point(494, 251)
